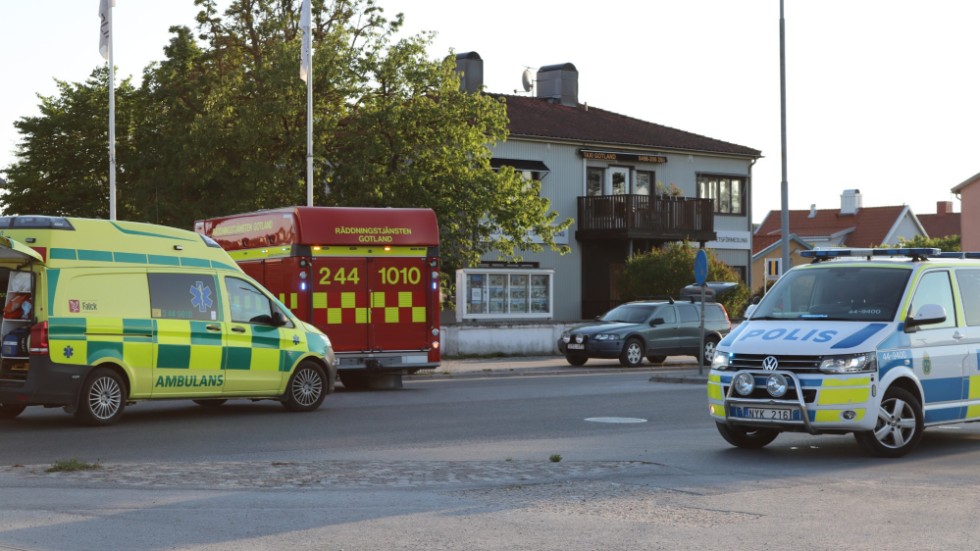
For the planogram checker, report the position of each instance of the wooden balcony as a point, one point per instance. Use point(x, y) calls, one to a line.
point(609, 217)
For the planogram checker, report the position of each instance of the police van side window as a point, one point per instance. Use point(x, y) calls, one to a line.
point(968, 280)
point(935, 288)
point(183, 296)
point(248, 304)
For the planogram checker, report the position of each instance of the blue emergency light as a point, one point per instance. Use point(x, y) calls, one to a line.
point(915, 253)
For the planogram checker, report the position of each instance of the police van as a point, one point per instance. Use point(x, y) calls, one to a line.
point(880, 343)
point(99, 314)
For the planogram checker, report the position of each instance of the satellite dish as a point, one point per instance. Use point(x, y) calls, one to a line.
point(527, 80)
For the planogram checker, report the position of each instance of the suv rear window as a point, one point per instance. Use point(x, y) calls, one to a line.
point(713, 312)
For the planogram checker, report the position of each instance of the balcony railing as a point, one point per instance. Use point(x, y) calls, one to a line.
point(645, 217)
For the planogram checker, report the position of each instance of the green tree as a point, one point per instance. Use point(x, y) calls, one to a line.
point(220, 127)
point(945, 244)
point(665, 271)
point(62, 162)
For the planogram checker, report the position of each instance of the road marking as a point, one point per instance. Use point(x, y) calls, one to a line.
point(621, 420)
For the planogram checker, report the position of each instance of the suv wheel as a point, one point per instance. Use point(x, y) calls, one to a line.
point(576, 359)
point(710, 343)
point(632, 354)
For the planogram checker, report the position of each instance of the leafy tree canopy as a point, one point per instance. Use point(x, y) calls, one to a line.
point(946, 244)
point(219, 127)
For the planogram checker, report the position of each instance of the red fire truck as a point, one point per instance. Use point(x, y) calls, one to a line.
point(367, 277)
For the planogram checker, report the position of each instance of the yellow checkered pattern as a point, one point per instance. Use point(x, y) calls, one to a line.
point(390, 305)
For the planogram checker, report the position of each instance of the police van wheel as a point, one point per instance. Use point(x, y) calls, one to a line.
point(307, 388)
point(577, 360)
point(632, 355)
point(11, 411)
point(103, 398)
point(899, 426)
point(210, 403)
point(747, 437)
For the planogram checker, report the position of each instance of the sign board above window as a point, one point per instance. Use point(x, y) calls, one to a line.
point(617, 156)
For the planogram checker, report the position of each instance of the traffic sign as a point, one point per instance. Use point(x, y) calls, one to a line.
point(701, 267)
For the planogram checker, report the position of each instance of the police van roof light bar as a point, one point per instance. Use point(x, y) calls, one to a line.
point(959, 254)
point(915, 253)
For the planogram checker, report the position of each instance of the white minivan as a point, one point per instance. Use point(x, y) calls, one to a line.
point(880, 343)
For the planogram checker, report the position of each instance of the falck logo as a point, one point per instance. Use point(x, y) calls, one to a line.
point(770, 363)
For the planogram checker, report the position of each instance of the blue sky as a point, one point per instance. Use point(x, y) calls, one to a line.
point(881, 94)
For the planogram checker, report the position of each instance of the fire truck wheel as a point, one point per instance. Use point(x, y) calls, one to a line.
point(210, 403)
point(11, 411)
point(747, 437)
point(306, 389)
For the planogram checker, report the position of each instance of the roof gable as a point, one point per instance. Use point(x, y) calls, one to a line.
point(870, 226)
point(541, 118)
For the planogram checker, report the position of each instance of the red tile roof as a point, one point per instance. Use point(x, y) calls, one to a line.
point(868, 227)
point(940, 225)
point(541, 118)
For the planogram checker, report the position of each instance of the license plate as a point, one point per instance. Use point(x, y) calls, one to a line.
point(766, 414)
point(574, 346)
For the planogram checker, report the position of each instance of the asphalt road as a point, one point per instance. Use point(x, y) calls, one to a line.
point(466, 464)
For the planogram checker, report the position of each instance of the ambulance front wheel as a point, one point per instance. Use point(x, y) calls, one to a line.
point(103, 398)
point(750, 438)
point(898, 428)
point(307, 388)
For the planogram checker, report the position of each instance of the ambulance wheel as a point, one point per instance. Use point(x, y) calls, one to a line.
point(9, 412)
point(632, 355)
point(210, 403)
point(577, 360)
point(899, 426)
point(307, 388)
point(103, 398)
point(748, 438)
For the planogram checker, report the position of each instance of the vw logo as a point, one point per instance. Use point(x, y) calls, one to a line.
point(770, 363)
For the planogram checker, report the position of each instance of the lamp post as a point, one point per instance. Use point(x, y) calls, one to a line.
point(784, 185)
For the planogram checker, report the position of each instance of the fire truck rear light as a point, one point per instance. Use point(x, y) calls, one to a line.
point(435, 331)
point(435, 344)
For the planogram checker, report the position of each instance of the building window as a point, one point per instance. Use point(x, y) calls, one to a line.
point(489, 293)
point(644, 182)
point(619, 180)
point(727, 192)
point(593, 181)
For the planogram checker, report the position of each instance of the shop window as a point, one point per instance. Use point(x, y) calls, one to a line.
point(490, 293)
point(593, 181)
point(644, 182)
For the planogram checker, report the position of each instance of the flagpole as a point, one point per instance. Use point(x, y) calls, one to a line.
point(309, 131)
point(112, 124)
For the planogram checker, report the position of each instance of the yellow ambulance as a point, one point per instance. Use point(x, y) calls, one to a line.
point(100, 314)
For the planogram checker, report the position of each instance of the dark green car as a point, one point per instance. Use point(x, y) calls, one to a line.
point(647, 329)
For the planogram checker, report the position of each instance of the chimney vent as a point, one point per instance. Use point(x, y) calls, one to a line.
point(850, 201)
point(944, 207)
point(469, 65)
point(559, 82)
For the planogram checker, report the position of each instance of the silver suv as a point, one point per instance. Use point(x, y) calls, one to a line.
point(651, 329)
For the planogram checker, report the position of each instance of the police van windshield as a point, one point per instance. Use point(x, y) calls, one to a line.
point(836, 293)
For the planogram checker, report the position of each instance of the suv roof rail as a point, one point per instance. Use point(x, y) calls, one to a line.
point(916, 254)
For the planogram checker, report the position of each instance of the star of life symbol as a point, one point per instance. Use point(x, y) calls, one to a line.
point(770, 363)
point(69, 351)
point(201, 297)
point(295, 339)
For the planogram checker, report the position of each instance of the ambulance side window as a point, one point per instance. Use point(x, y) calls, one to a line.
point(968, 280)
point(248, 304)
point(183, 296)
point(935, 288)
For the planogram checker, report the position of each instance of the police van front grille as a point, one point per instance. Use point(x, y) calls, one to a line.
point(796, 364)
point(760, 393)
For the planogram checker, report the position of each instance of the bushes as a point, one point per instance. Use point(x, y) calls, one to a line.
point(664, 272)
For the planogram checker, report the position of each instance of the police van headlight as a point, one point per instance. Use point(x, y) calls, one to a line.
point(851, 363)
point(744, 383)
point(721, 361)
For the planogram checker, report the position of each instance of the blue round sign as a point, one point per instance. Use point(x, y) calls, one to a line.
point(701, 267)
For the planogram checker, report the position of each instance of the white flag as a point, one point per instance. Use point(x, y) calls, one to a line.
point(306, 56)
point(105, 26)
